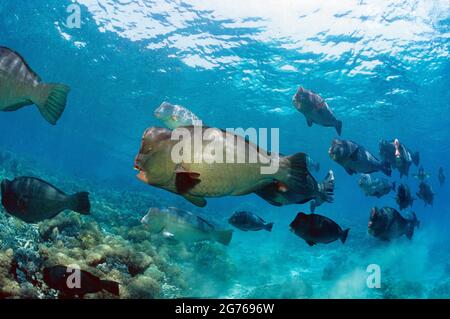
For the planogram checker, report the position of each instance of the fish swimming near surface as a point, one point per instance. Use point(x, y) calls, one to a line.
point(174, 116)
point(317, 193)
point(58, 277)
point(315, 109)
point(441, 176)
point(355, 158)
point(315, 228)
point(180, 225)
point(403, 197)
point(21, 86)
point(426, 193)
point(398, 156)
point(377, 187)
point(421, 175)
point(387, 223)
point(248, 221)
point(33, 200)
point(202, 175)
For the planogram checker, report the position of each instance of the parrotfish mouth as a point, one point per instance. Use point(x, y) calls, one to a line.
point(142, 176)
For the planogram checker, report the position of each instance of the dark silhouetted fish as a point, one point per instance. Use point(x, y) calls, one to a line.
point(441, 176)
point(314, 228)
point(317, 193)
point(398, 156)
point(403, 197)
point(355, 158)
point(21, 86)
point(63, 279)
point(387, 223)
point(33, 200)
point(315, 109)
point(421, 175)
point(426, 193)
point(248, 221)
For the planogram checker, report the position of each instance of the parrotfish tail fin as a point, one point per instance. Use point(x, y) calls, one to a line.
point(414, 220)
point(269, 227)
point(110, 286)
point(81, 203)
point(223, 236)
point(338, 127)
point(293, 172)
point(344, 235)
point(416, 158)
point(386, 168)
point(326, 188)
point(313, 205)
point(51, 100)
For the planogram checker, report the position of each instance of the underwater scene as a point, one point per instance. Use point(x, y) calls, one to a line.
point(224, 149)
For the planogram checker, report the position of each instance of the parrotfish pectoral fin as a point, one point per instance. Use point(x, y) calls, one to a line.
point(309, 122)
point(197, 201)
point(350, 171)
point(354, 155)
point(184, 180)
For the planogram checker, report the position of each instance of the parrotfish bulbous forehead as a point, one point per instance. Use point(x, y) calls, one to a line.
point(151, 137)
point(164, 110)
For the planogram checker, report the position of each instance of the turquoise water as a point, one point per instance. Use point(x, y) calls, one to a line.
point(382, 66)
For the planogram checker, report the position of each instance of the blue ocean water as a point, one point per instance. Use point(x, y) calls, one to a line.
point(382, 66)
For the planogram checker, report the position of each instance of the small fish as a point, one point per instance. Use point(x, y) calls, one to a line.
point(248, 221)
point(196, 180)
point(179, 225)
point(403, 197)
point(441, 176)
point(314, 228)
point(315, 109)
point(387, 223)
point(33, 200)
point(21, 86)
point(421, 175)
point(377, 187)
point(317, 193)
point(426, 193)
point(57, 277)
point(355, 158)
point(398, 156)
point(173, 116)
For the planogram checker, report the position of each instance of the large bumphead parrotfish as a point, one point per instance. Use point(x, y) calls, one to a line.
point(315, 228)
point(180, 225)
point(317, 193)
point(247, 221)
point(57, 277)
point(377, 187)
point(173, 116)
point(222, 170)
point(403, 197)
point(315, 109)
point(398, 156)
point(387, 223)
point(355, 158)
point(21, 86)
point(33, 200)
point(426, 193)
